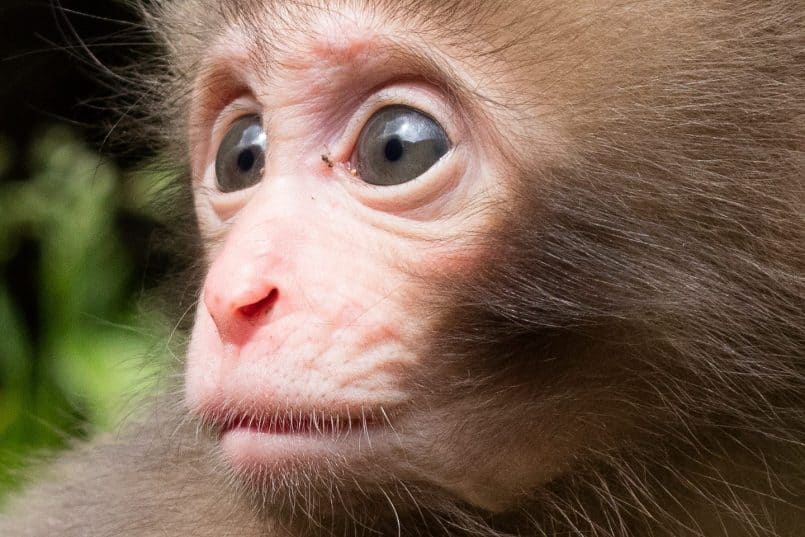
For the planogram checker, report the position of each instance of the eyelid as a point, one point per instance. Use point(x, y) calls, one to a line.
point(238, 108)
point(407, 197)
point(417, 96)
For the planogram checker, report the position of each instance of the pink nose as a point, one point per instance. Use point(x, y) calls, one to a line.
point(249, 282)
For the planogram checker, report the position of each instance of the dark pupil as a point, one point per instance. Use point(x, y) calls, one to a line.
point(246, 160)
point(394, 149)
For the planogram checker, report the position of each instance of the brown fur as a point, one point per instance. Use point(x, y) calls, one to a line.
point(640, 302)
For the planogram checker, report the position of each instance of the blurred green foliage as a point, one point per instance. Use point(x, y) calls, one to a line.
point(90, 348)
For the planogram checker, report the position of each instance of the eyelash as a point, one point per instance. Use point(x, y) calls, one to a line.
point(382, 98)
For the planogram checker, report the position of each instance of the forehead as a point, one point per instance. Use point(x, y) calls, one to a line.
point(274, 27)
point(425, 15)
point(281, 38)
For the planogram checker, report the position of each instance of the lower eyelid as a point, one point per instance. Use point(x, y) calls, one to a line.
point(441, 178)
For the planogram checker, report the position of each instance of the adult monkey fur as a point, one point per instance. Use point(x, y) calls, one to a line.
point(586, 318)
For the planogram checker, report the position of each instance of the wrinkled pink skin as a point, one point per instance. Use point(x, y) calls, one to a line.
point(306, 307)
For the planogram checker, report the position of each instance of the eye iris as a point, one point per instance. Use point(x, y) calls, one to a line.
point(241, 155)
point(398, 144)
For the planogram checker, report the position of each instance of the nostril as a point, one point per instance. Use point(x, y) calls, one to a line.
point(262, 306)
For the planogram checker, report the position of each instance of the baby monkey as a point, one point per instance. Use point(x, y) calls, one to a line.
point(546, 279)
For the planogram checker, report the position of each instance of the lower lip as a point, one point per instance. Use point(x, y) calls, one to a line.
point(251, 446)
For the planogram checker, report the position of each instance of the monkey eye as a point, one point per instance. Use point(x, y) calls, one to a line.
point(399, 144)
point(241, 155)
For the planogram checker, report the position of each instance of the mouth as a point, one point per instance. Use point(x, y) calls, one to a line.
point(298, 423)
point(257, 440)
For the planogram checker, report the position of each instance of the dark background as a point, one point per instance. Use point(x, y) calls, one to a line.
point(76, 232)
point(47, 73)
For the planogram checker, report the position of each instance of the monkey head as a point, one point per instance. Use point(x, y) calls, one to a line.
point(470, 255)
